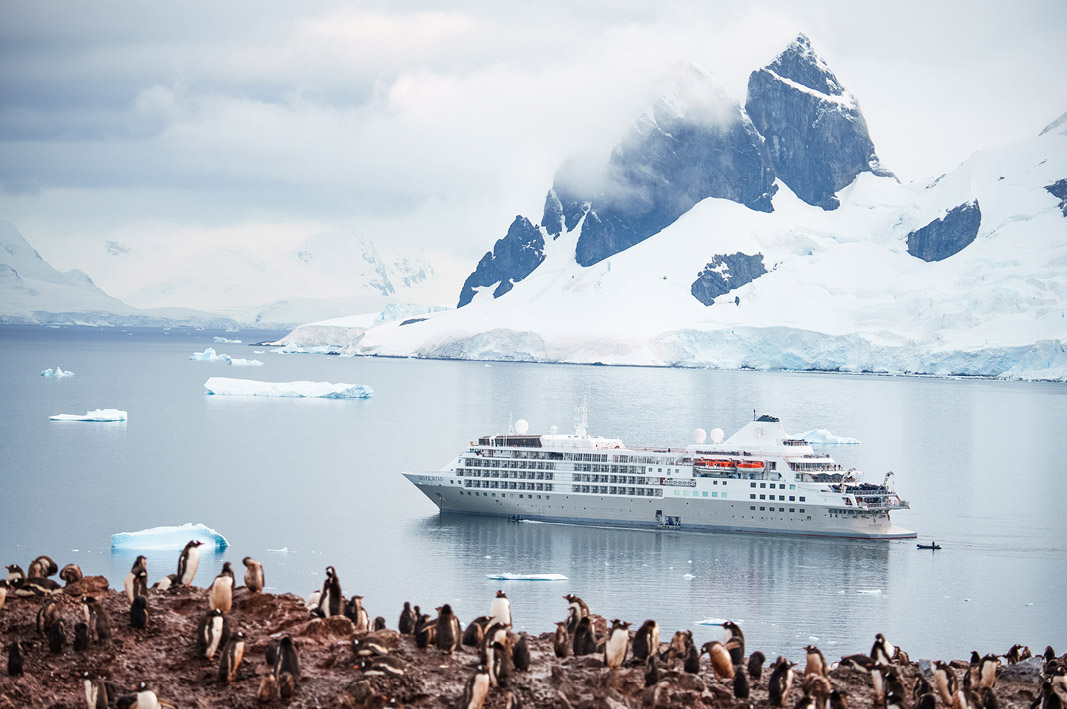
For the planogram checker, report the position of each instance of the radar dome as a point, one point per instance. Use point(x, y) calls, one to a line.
point(522, 426)
point(553, 430)
point(717, 435)
point(699, 435)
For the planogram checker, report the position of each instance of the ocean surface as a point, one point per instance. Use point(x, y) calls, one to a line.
point(303, 484)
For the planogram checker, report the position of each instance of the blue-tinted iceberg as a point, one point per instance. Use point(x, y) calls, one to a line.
point(58, 373)
point(526, 577)
point(824, 437)
point(224, 341)
point(209, 355)
point(224, 386)
point(169, 538)
point(94, 415)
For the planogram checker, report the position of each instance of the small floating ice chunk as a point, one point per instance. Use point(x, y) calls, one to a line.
point(872, 591)
point(1029, 604)
point(283, 550)
point(688, 576)
point(103, 415)
point(824, 437)
point(237, 362)
point(526, 577)
point(813, 639)
point(966, 600)
point(224, 386)
point(57, 373)
point(169, 538)
point(224, 341)
point(209, 355)
point(711, 621)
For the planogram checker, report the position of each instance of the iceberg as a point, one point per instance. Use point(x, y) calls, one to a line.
point(236, 362)
point(169, 538)
point(824, 437)
point(714, 621)
point(224, 386)
point(224, 341)
point(94, 415)
point(57, 373)
point(526, 577)
point(208, 355)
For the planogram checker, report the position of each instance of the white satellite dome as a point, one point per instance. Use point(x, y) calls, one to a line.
point(522, 426)
point(553, 430)
point(699, 435)
point(717, 435)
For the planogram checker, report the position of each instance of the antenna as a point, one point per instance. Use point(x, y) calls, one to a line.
point(753, 414)
point(511, 426)
point(581, 417)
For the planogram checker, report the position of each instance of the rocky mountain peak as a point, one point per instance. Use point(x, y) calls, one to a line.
point(800, 63)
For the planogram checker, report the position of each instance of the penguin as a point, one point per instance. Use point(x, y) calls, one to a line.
point(71, 573)
point(895, 701)
point(781, 682)
point(617, 645)
point(926, 701)
point(97, 619)
point(57, 636)
point(312, 603)
point(266, 688)
point(734, 642)
point(253, 575)
point(448, 634)
point(1017, 654)
point(140, 584)
point(474, 633)
point(42, 567)
point(988, 698)
point(741, 690)
point(99, 694)
point(987, 670)
point(1049, 654)
point(806, 702)
point(331, 601)
point(878, 684)
point(679, 646)
point(839, 699)
point(919, 688)
point(35, 587)
point(561, 640)
point(882, 651)
point(81, 637)
point(893, 685)
point(139, 612)
point(500, 609)
point(406, 624)
point(501, 667)
point(382, 666)
point(965, 699)
point(368, 647)
point(818, 688)
point(15, 574)
point(1049, 699)
point(286, 667)
point(944, 681)
point(651, 670)
point(900, 657)
point(188, 563)
point(3, 596)
point(166, 583)
point(379, 623)
point(220, 594)
point(692, 660)
point(816, 662)
point(512, 701)
point(355, 612)
point(46, 616)
point(576, 610)
point(520, 654)
point(721, 660)
point(231, 658)
point(862, 663)
point(584, 637)
point(139, 565)
point(15, 661)
point(146, 697)
point(476, 689)
point(424, 631)
point(755, 665)
point(212, 633)
point(646, 640)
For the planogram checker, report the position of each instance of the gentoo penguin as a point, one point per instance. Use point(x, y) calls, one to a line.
point(818, 688)
point(286, 667)
point(47, 614)
point(755, 665)
point(232, 654)
point(721, 661)
point(253, 575)
point(806, 702)
point(97, 619)
point(81, 637)
point(139, 565)
point(140, 584)
point(781, 682)
point(406, 624)
point(692, 659)
point(383, 665)
point(35, 587)
point(500, 609)
point(3, 596)
point(1017, 654)
point(520, 654)
point(474, 633)
point(882, 651)
point(617, 644)
point(357, 614)
point(99, 694)
point(680, 642)
point(944, 681)
point(312, 603)
point(501, 665)
point(1049, 698)
point(1049, 654)
point(139, 612)
point(652, 670)
point(891, 684)
point(331, 601)
point(15, 574)
point(378, 624)
point(188, 563)
point(987, 670)
point(920, 687)
point(146, 697)
point(425, 629)
point(734, 642)
point(816, 662)
point(212, 633)
point(266, 688)
point(363, 648)
point(839, 699)
point(71, 573)
point(57, 636)
point(477, 689)
point(646, 640)
point(988, 698)
point(42, 567)
point(740, 685)
point(561, 640)
point(926, 701)
point(895, 701)
point(15, 660)
point(448, 634)
point(220, 594)
point(584, 637)
point(965, 699)
point(576, 610)
point(859, 662)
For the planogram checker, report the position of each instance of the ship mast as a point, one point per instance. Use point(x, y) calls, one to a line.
point(581, 418)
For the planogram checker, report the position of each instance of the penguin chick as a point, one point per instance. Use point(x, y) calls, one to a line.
point(721, 662)
point(355, 612)
point(127, 582)
point(646, 640)
point(500, 670)
point(520, 654)
point(447, 634)
point(740, 686)
point(97, 619)
point(286, 667)
point(231, 658)
point(254, 580)
point(379, 623)
point(266, 688)
point(755, 665)
point(584, 637)
point(839, 699)
point(57, 636)
point(425, 630)
point(561, 640)
point(15, 660)
point(692, 660)
point(651, 671)
point(781, 682)
point(477, 689)
point(71, 573)
point(220, 594)
point(42, 567)
point(474, 633)
point(406, 624)
point(81, 637)
point(139, 613)
point(617, 644)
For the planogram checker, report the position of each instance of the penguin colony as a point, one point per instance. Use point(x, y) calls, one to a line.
point(494, 659)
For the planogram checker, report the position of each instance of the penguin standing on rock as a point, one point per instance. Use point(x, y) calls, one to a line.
point(99, 694)
point(839, 699)
point(584, 637)
point(477, 689)
point(42, 567)
point(721, 662)
point(81, 637)
point(189, 562)
point(448, 634)
point(355, 613)
point(286, 667)
point(576, 610)
point(71, 573)
point(474, 633)
point(254, 580)
point(212, 633)
point(500, 609)
point(816, 661)
point(146, 697)
point(47, 614)
point(882, 651)
point(97, 619)
point(425, 630)
point(780, 683)
point(57, 636)
point(501, 667)
point(406, 624)
point(561, 640)
point(755, 665)
point(987, 670)
point(617, 644)
point(734, 642)
point(379, 623)
point(130, 579)
point(741, 690)
point(692, 659)
point(15, 661)
point(520, 654)
point(139, 613)
point(220, 595)
point(646, 640)
point(651, 671)
point(944, 681)
point(232, 655)
point(331, 601)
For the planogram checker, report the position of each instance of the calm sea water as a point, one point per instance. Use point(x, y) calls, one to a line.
point(980, 462)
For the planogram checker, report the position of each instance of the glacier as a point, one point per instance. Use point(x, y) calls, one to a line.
point(100, 415)
point(169, 538)
point(57, 373)
point(223, 386)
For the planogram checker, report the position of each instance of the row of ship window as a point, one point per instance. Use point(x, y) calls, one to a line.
point(537, 465)
point(620, 479)
point(781, 486)
point(518, 475)
point(501, 485)
point(780, 509)
point(697, 493)
point(781, 498)
point(612, 490)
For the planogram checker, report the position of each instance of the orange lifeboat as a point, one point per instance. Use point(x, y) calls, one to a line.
point(750, 465)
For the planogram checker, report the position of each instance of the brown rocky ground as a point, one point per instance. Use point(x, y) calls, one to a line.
point(165, 655)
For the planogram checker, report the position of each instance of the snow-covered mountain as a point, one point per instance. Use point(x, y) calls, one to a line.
point(771, 237)
point(32, 291)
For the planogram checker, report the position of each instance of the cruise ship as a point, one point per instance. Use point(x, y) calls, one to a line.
point(758, 480)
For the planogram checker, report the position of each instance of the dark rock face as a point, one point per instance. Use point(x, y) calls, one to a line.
point(946, 237)
point(815, 132)
point(512, 259)
point(1059, 189)
point(725, 273)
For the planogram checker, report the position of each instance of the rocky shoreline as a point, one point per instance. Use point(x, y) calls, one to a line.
point(165, 656)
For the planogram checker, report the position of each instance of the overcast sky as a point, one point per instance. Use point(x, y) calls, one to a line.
point(434, 124)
